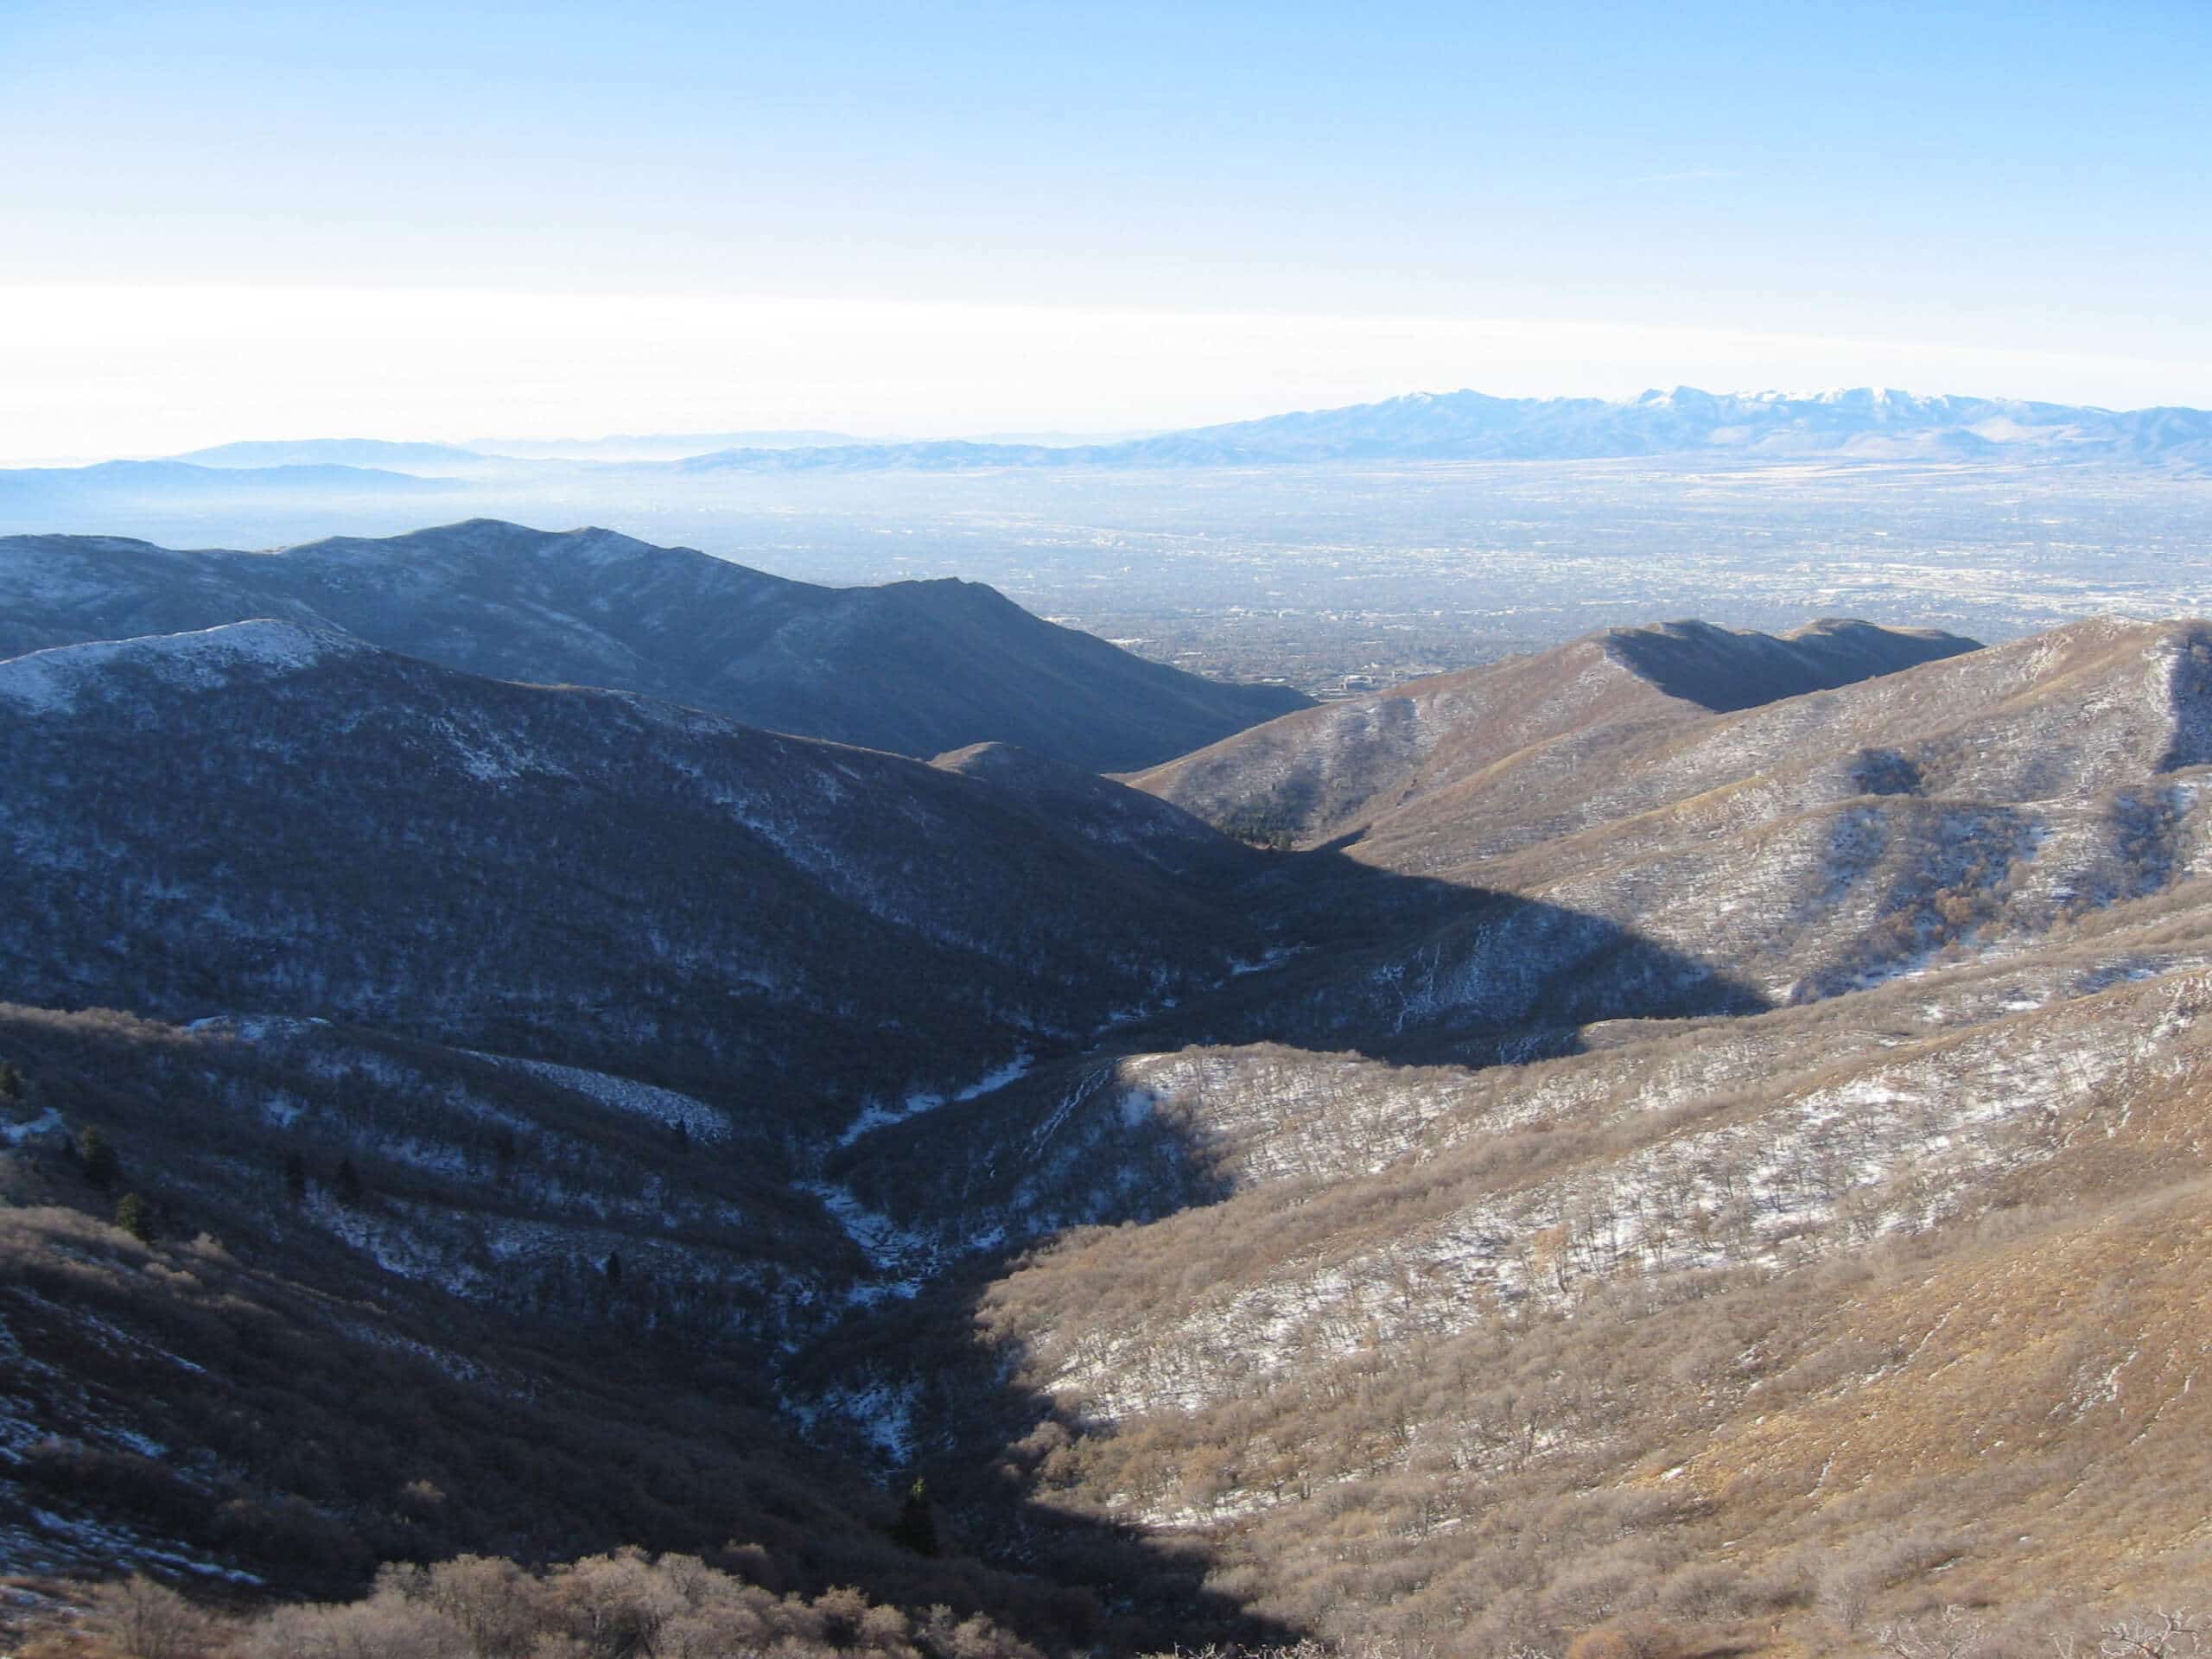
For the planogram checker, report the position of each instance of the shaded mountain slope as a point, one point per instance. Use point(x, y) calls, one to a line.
point(536, 1324)
point(916, 668)
point(1132, 823)
point(1727, 669)
point(273, 817)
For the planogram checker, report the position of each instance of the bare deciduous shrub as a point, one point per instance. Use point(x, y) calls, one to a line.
point(1628, 1638)
point(1704, 1593)
point(1846, 1593)
point(1951, 1634)
point(623, 1606)
point(2175, 1634)
point(493, 1603)
point(139, 1618)
point(1849, 1584)
point(386, 1626)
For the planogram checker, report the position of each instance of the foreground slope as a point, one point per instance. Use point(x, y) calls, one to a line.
point(1772, 1330)
point(404, 1303)
point(504, 1030)
point(918, 668)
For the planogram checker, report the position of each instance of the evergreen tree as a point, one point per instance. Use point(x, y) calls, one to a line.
point(917, 1524)
point(135, 1217)
point(11, 1081)
point(296, 1177)
point(614, 1270)
point(98, 1156)
point(346, 1184)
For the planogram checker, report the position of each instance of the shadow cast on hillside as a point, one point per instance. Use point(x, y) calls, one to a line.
point(1404, 970)
point(637, 1430)
point(1415, 970)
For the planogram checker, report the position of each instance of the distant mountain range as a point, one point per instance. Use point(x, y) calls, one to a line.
point(654, 446)
point(1864, 424)
point(1868, 424)
point(332, 452)
point(67, 494)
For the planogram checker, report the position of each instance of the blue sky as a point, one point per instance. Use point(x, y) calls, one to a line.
point(1565, 198)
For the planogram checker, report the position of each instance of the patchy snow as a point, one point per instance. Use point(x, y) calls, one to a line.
point(54, 1542)
point(1765, 1185)
point(454, 1365)
point(256, 1027)
point(882, 1411)
point(47, 1122)
point(873, 1116)
point(51, 681)
point(904, 1259)
point(697, 1118)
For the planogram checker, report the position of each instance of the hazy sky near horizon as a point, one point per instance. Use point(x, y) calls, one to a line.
point(403, 221)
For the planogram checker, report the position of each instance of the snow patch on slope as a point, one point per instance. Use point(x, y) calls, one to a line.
point(874, 1117)
point(51, 681)
point(695, 1118)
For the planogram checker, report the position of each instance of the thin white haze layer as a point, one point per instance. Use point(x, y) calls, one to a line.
point(96, 372)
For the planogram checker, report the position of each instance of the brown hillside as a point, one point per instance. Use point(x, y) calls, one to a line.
point(1320, 774)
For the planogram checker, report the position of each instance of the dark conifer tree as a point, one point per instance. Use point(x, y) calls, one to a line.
point(917, 1524)
point(346, 1184)
point(97, 1155)
point(135, 1217)
point(296, 1177)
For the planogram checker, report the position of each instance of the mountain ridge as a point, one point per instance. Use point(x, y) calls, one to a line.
point(1866, 424)
point(916, 668)
point(732, 869)
point(1312, 775)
